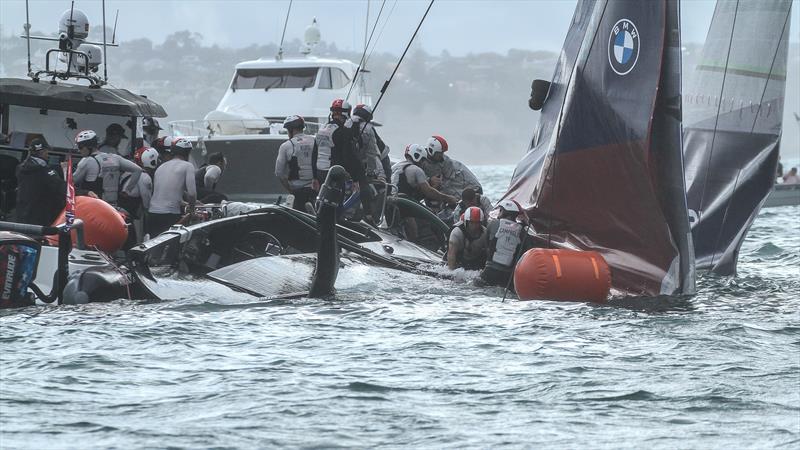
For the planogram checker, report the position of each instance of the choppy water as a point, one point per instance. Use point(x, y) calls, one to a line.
point(399, 361)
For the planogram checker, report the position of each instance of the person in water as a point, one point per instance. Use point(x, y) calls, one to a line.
point(207, 177)
point(454, 175)
point(467, 246)
point(100, 172)
point(294, 166)
point(41, 191)
point(469, 197)
point(172, 180)
point(505, 236)
point(335, 146)
point(111, 144)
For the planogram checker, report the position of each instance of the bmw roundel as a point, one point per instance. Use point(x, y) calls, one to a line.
point(623, 47)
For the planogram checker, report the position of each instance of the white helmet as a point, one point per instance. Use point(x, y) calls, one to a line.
point(416, 152)
point(436, 144)
point(86, 138)
point(472, 214)
point(149, 158)
point(182, 144)
point(509, 206)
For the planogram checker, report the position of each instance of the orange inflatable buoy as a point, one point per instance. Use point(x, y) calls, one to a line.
point(567, 275)
point(103, 226)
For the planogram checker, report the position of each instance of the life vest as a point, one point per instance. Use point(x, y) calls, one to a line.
point(125, 200)
point(95, 185)
point(471, 257)
point(300, 159)
point(506, 242)
point(404, 187)
point(325, 145)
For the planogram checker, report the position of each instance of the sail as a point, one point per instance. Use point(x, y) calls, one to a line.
point(604, 171)
point(733, 125)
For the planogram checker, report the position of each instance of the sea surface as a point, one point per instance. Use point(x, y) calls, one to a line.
point(402, 361)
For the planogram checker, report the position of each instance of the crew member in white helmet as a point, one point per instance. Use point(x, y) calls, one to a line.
point(172, 180)
point(100, 172)
point(294, 166)
point(505, 240)
point(411, 180)
point(454, 175)
point(467, 246)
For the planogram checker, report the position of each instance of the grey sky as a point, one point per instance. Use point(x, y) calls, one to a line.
point(458, 26)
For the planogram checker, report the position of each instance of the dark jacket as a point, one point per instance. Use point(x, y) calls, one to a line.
point(344, 152)
point(41, 192)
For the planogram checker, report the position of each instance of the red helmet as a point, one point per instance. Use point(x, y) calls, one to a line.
point(472, 214)
point(436, 144)
point(339, 105)
point(146, 157)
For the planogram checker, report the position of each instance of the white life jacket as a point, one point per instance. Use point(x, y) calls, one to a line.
point(325, 145)
point(507, 240)
point(302, 148)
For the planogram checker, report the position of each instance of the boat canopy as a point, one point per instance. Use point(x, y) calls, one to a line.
point(734, 114)
point(604, 170)
point(77, 98)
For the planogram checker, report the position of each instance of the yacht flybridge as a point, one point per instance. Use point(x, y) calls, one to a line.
point(247, 125)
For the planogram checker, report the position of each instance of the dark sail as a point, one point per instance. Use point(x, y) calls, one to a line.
point(605, 170)
point(733, 125)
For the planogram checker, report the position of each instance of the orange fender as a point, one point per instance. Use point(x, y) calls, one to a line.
point(103, 226)
point(565, 275)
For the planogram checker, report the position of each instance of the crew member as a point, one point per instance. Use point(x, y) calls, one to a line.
point(172, 179)
point(114, 136)
point(411, 180)
point(505, 239)
point(100, 172)
point(294, 166)
point(368, 150)
point(467, 246)
point(150, 127)
point(791, 177)
point(207, 177)
point(455, 176)
point(471, 198)
point(334, 146)
point(41, 192)
point(135, 199)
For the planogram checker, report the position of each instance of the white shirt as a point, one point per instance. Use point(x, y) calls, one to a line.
point(171, 180)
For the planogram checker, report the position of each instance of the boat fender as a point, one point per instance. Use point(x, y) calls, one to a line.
point(96, 284)
point(104, 227)
point(565, 275)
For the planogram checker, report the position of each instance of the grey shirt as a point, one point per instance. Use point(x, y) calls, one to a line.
point(469, 250)
point(414, 174)
point(171, 180)
point(301, 146)
point(455, 175)
point(110, 167)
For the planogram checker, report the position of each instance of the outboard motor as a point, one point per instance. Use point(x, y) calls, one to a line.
point(19, 257)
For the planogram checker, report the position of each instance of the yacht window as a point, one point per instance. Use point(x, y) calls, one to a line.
point(294, 77)
point(339, 78)
point(325, 78)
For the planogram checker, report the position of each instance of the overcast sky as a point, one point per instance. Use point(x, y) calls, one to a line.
point(455, 25)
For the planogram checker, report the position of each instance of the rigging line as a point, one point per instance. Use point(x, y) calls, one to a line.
point(386, 84)
point(380, 33)
point(362, 63)
point(283, 35)
point(752, 129)
point(716, 120)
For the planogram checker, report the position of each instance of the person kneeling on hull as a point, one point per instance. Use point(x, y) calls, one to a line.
point(170, 181)
point(294, 165)
point(467, 246)
point(454, 175)
point(505, 239)
point(100, 172)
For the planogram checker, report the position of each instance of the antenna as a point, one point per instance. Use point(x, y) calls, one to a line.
point(114, 33)
point(285, 22)
point(105, 55)
point(28, 35)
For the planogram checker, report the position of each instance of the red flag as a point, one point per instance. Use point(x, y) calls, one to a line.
point(70, 208)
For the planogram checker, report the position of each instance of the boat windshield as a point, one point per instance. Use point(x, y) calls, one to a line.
point(292, 77)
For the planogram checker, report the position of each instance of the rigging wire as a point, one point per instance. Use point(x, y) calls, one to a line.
point(362, 63)
point(283, 35)
point(397, 66)
point(380, 33)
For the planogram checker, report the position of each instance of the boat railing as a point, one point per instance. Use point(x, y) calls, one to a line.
point(232, 127)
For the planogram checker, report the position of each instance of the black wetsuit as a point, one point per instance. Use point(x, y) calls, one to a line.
point(41, 193)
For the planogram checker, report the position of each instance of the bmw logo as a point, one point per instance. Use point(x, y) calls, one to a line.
point(623, 47)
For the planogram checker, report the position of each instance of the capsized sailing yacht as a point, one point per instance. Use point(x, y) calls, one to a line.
point(604, 171)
